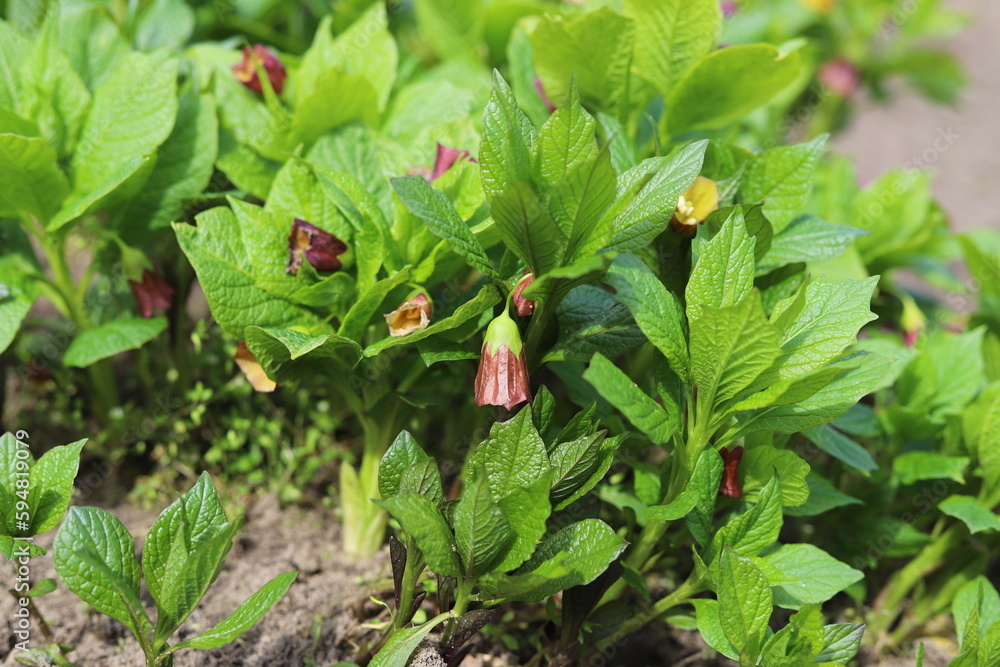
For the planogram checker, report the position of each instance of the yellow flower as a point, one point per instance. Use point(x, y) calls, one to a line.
point(411, 316)
point(696, 204)
point(822, 6)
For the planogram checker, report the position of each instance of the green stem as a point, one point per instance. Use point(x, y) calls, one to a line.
point(659, 609)
point(364, 521)
point(411, 573)
point(462, 595)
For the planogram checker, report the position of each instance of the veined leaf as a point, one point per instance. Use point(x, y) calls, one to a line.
point(619, 390)
point(512, 456)
point(723, 274)
point(33, 182)
point(111, 338)
point(783, 178)
point(508, 136)
point(483, 534)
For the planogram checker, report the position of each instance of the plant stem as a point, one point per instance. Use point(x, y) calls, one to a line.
point(364, 521)
point(679, 596)
point(411, 572)
point(462, 594)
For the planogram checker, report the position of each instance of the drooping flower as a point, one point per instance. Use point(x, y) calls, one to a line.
point(730, 484)
point(252, 370)
point(696, 204)
point(411, 316)
point(522, 306)
point(315, 246)
point(246, 70)
point(503, 372)
point(152, 293)
point(840, 77)
point(540, 88)
point(446, 159)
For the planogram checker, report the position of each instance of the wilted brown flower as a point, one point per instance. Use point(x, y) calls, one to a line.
point(446, 159)
point(246, 70)
point(730, 484)
point(503, 373)
point(152, 293)
point(411, 316)
point(311, 243)
point(252, 370)
point(522, 306)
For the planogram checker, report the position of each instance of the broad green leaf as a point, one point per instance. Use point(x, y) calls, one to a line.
point(164, 24)
point(111, 338)
point(973, 513)
point(244, 617)
point(723, 274)
point(744, 602)
point(453, 28)
point(730, 347)
point(337, 99)
point(670, 37)
point(783, 178)
point(18, 291)
point(823, 496)
point(92, 41)
point(841, 642)
point(397, 651)
point(526, 510)
point(240, 257)
point(727, 84)
point(786, 392)
point(126, 120)
point(567, 140)
point(14, 50)
point(807, 239)
point(819, 575)
point(482, 532)
point(800, 641)
point(619, 390)
point(89, 530)
point(912, 467)
point(755, 529)
point(946, 374)
point(50, 485)
point(565, 454)
point(710, 627)
point(287, 355)
point(596, 48)
point(79, 204)
point(33, 183)
point(423, 478)
point(578, 205)
point(487, 297)
point(978, 593)
point(647, 196)
point(705, 477)
point(706, 491)
point(764, 461)
point(841, 447)
point(505, 155)
point(658, 312)
point(512, 456)
point(402, 453)
point(440, 216)
point(368, 49)
point(591, 320)
point(528, 228)
point(297, 192)
point(420, 518)
point(356, 322)
point(894, 211)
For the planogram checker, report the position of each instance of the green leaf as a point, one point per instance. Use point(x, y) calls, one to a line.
point(453, 28)
point(596, 48)
point(505, 155)
point(744, 602)
point(710, 627)
point(240, 257)
point(647, 196)
point(591, 320)
point(807, 239)
point(762, 462)
point(126, 120)
point(670, 37)
point(705, 477)
point(337, 99)
point(164, 24)
point(368, 49)
point(658, 312)
point(699, 520)
point(841, 447)
point(287, 355)
point(978, 594)
point(945, 375)
point(727, 84)
point(756, 528)
point(730, 347)
point(578, 205)
point(437, 212)
point(841, 642)
point(783, 178)
point(567, 140)
point(512, 456)
point(487, 298)
point(397, 650)
point(244, 617)
point(402, 453)
point(34, 184)
point(565, 455)
point(619, 390)
point(423, 478)
point(482, 533)
point(357, 319)
point(973, 513)
point(112, 589)
point(420, 518)
point(528, 228)
point(18, 291)
point(913, 467)
point(823, 496)
point(111, 338)
point(50, 485)
point(819, 575)
point(723, 274)
point(297, 192)
point(526, 510)
point(79, 204)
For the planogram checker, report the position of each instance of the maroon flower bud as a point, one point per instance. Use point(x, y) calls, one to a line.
point(317, 247)
point(540, 88)
point(446, 159)
point(152, 293)
point(523, 306)
point(260, 55)
point(503, 374)
point(840, 77)
point(252, 369)
point(411, 316)
point(730, 484)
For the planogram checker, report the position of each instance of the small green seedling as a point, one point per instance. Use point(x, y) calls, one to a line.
point(184, 552)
